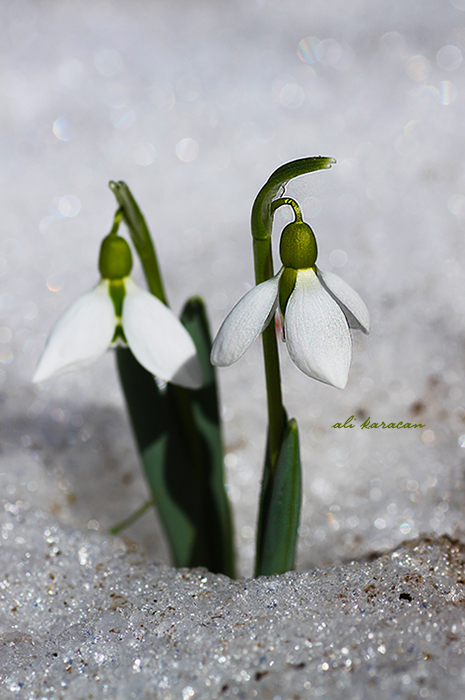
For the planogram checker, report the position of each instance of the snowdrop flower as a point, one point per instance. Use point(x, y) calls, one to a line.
point(118, 311)
point(317, 308)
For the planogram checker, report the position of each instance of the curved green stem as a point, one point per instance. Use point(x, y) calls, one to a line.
point(261, 225)
point(282, 201)
point(116, 222)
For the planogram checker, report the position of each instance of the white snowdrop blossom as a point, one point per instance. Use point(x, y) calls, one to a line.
point(318, 308)
point(117, 310)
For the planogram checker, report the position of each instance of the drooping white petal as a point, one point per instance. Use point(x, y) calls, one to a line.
point(80, 336)
point(317, 334)
point(245, 322)
point(349, 298)
point(158, 339)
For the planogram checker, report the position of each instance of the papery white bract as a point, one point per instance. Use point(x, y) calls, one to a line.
point(316, 324)
point(155, 336)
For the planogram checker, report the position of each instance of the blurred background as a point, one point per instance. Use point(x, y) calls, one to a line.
point(194, 104)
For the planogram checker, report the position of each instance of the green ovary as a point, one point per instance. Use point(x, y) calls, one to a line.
point(298, 248)
point(115, 261)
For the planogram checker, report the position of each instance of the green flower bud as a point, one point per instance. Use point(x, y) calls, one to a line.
point(115, 261)
point(298, 248)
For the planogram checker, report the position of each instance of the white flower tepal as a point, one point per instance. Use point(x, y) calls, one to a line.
point(317, 332)
point(118, 310)
point(245, 322)
point(80, 336)
point(158, 339)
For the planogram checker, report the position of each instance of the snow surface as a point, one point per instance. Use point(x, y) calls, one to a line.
point(194, 105)
point(83, 617)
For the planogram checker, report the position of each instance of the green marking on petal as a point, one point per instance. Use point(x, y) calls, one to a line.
point(298, 248)
point(286, 287)
point(117, 291)
point(119, 335)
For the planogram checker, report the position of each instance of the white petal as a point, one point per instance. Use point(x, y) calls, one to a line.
point(245, 322)
point(317, 334)
point(348, 297)
point(158, 339)
point(80, 336)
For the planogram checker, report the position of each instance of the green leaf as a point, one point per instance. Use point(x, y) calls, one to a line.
point(203, 436)
point(140, 236)
point(166, 465)
point(279, 513)
point(179, 438)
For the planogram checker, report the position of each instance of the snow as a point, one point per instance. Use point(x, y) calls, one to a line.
point(84, 616)
point(194, 105)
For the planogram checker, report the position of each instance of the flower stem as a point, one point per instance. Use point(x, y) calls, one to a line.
point(280, 495)
point(116, 222)
point(261, 226)
point(263, 258)
point(276, 413)
point(291, 202)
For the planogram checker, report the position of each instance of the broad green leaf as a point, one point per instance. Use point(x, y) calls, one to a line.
point(166, 465)
point(203, 435)
point(179, 439)
point(280, 503)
